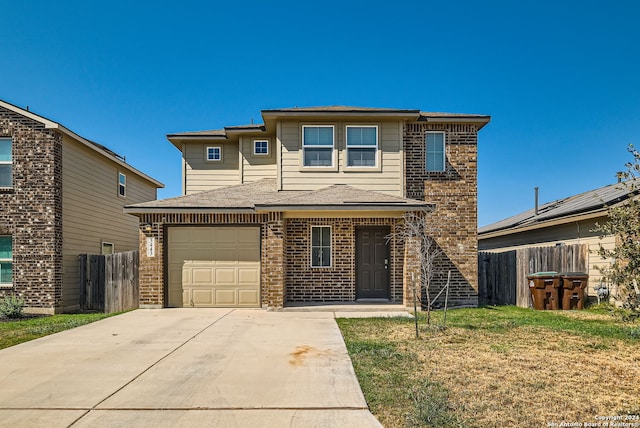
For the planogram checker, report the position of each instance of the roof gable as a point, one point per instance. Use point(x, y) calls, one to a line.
point(96, 147)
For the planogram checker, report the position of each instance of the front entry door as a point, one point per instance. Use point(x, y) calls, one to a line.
point(372, 263)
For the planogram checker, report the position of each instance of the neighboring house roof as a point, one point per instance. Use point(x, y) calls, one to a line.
point(262, 196)
point(99, 148)
point(592, 203)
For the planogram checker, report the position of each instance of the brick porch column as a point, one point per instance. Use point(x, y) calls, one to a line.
point(273, 264)
point(151, 271)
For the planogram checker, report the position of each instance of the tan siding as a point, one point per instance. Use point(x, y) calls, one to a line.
point(257, 167)
point(92, 210)
point(387, 179)
point(204, 175)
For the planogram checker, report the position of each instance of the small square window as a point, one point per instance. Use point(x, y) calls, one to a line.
point(122, 185)
point(435, 152)
point(214, 154)
point(320, 246)
point(261, 147)
point(107, 248)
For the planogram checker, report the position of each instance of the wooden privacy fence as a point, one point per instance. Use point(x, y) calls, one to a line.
point(502, 277)
point(109, 283)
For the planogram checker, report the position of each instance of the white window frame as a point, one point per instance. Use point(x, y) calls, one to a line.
point(376, 165)
point(9, 162)
point(206, 153)
point(10, 260)
point(255, 146)
point(104, 244)
point(444, 151)
point(333, 165)
point(311, 247)
point(122, 187)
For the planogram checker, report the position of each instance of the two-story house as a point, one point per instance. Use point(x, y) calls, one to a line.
point(304, 208)
point(61, 195)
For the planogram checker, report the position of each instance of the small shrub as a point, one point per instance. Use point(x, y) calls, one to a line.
point(11, 307)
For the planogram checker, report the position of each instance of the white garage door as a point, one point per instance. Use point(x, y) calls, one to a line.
point(213, 266)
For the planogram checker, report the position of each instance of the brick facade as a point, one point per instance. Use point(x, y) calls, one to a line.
point(32, 212)
point(272, 267)
point(338, 282)
point(286, 274)
point(454, 192)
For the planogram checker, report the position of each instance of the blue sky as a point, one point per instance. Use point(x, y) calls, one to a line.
point(561, 79)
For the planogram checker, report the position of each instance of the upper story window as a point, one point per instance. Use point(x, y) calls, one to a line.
point(214, 153)
point(6, 260)
point(6, 163)
point(320, 246)
point(122, 185)
point(261, 147)
point(317, 145)
point(435, 152)
point(362, 146)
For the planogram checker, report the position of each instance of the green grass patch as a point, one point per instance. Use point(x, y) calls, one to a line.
point(13, 332)
point(504, 318)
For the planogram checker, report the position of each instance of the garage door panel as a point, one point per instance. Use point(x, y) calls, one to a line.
point(248, 277)
point(201, 276)
point(226, 276)
point(225, 297)
point(248, 297)
point(202, 297)
point(214, 266)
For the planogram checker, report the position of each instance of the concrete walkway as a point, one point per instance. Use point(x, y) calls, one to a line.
point(186, 368)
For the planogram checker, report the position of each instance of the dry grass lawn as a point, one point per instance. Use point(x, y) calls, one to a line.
point(497, 367)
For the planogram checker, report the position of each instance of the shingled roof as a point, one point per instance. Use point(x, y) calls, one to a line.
point(591, 202)
point(263, 196)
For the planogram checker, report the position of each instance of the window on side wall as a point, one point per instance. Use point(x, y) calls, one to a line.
point(107, 248)
point(6, 163)
point(320, 246)
point(362, 146)
point(6, 261)
point(261, 147)
point(435, 151)
point(317, 145)
point(122, 185)
point(214, 154)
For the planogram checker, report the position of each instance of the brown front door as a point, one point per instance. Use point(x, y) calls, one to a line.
point(372, 263)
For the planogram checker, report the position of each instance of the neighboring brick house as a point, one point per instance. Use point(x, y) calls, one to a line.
point(298, 209)
point(60, 195)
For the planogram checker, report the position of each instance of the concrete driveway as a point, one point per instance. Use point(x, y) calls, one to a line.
point(186, 368)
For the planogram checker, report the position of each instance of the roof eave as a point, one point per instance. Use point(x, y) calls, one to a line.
point(186, 210)
point(177, 139)
point(481, 121)
point(542, 224)
point(396, 114)
point(343, 207)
